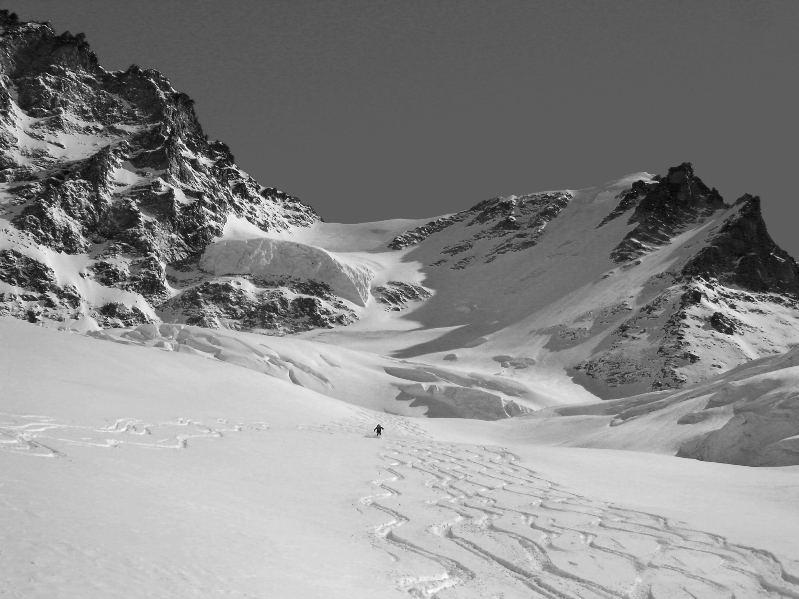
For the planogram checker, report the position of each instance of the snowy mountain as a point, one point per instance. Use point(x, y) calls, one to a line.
point(193, 364)
point(118, 211)
point(114, 170)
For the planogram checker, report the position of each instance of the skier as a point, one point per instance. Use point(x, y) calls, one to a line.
point(378, 430)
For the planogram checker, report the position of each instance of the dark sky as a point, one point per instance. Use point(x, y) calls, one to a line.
point(376, 109)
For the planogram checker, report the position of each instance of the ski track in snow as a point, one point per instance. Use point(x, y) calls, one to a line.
point(33, 435)
point(479, 525)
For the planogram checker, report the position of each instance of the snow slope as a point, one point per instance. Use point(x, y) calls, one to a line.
point(137, 472)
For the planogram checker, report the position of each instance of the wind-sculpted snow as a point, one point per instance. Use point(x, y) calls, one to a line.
point(34, 435)
point(453, 395)
point(223, 348)
point(451, 401)
point(747, 416)
point(273, 257)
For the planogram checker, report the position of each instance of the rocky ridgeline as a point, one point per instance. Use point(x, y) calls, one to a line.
point(517, 222)
point(733, 299)
point(742, 254)
point(663, 210)
point(114, 165)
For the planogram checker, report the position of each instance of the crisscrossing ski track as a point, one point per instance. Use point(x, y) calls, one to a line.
point(471, 521)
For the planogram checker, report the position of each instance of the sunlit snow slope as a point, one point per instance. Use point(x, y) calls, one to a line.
point(139, 472)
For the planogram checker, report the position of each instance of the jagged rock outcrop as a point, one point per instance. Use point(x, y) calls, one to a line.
point(421, 233)
point(629, 199)
point(720, 288)
point(396, 295)
point(743, 254)
point(662, 210)
point(276, 307)
point(518, 222)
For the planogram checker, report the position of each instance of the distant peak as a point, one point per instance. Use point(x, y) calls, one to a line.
point(677, 174)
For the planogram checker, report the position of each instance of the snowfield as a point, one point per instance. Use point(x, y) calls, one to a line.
point(586, 394)
point(140, 472)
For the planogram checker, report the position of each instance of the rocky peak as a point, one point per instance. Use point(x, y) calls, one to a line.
point(115, 165)
point(743, 254)
point(33, 48)
point(663, 210)
point(680, 188)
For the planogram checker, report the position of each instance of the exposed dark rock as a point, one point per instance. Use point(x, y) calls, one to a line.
point(150, 185)
point(742, 253)
point(28, 274)
point(463, 263)
point(518, 221)
point(490, 210)
point(108, 274)
point(629, 199)
point(115, 315)
point(674, 202)
point(515, 362)
point(270, 311)
point(418, 234)
point(722, 323)
point(692, 296)
point(396, 294)
point(535, 211)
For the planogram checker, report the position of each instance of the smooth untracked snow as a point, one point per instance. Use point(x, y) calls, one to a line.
point(129, 471)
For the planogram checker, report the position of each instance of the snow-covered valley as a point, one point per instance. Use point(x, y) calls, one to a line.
point(586, 393)
point(140, 472)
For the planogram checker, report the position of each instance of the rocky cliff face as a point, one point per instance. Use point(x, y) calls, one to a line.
point(732, 298)
point(663, 208)
point(114, 166)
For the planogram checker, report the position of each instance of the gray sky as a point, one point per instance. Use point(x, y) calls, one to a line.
point(377, 109)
